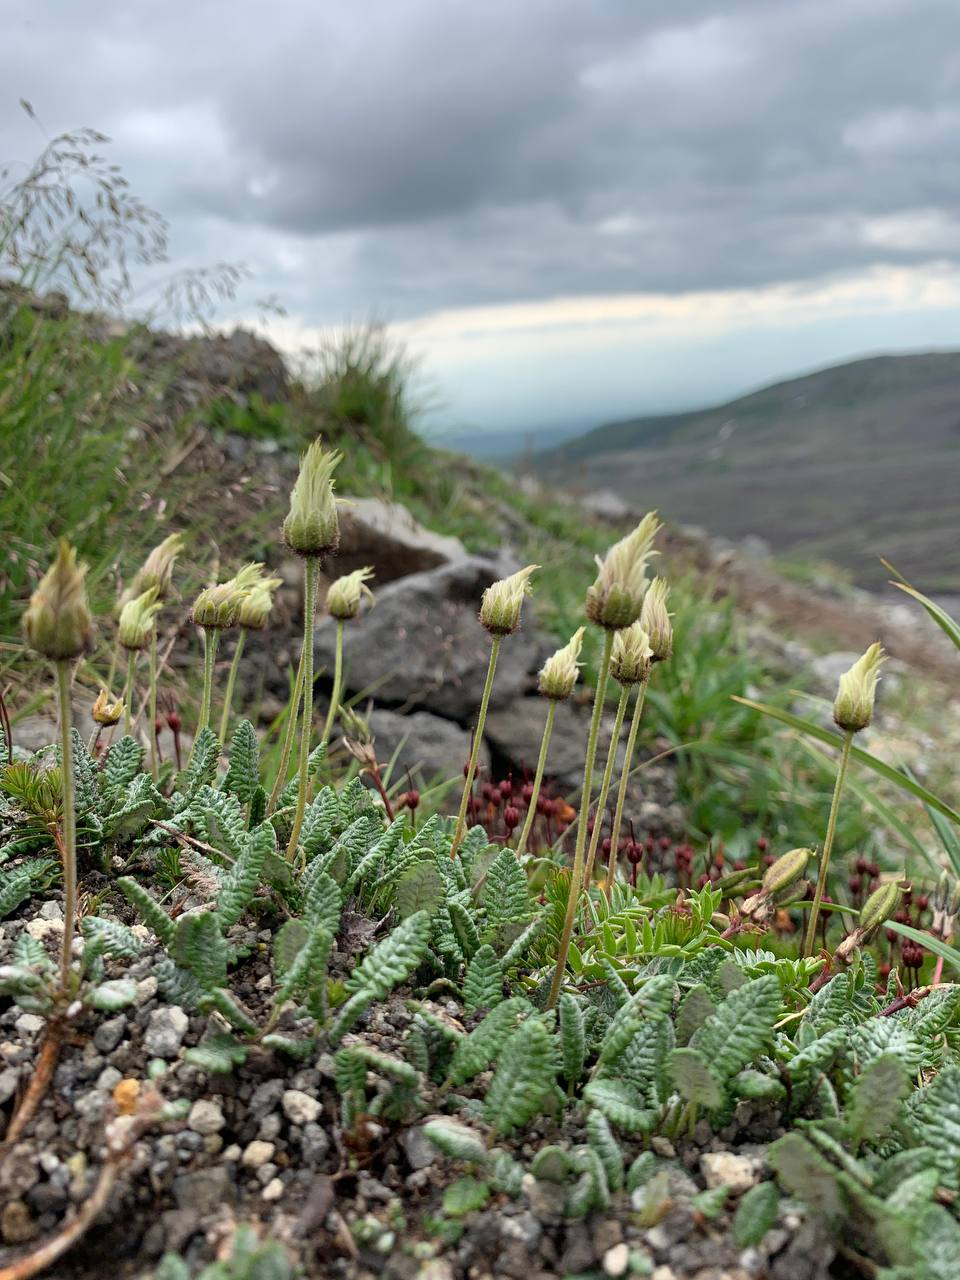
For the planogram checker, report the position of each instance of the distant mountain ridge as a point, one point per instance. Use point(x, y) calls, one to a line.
point(848, 463)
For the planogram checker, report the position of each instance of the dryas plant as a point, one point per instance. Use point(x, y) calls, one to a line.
point(253, 616)
point(500, 609)
point(343, 604)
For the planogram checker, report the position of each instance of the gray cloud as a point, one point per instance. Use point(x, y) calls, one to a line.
point(405, 155)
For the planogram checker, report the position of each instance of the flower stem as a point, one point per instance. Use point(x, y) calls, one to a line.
point(334, 706)
point(586, 794)
point(538, 778)
point(475, 751)
point(810, 940)
point(211, 636)
point(128, 691)
point(69, 823)
point(624, 779)
point(231, 681)
point(311, 574)
point(289, 734)
point(152, 707)
point(605, 786)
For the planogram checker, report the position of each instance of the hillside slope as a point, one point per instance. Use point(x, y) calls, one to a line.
point(846, 464)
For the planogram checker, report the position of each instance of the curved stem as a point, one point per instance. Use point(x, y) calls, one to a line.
point(605, 786)
point(311, 574)
point(538, 778)
point(231, 681)
point(475, 751)
point(624, 780)
point(289, 734)
point(152, 709)
point(334, 706)
point(69, 823)
point(810, 940)
point(586, 794)
point(128, 691)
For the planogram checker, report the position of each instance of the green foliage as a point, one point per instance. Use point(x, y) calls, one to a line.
point(524, 1077)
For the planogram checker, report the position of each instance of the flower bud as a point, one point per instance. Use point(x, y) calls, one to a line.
point(104, 712)
point(502, 601)
point(787, 868)
point(312, 527)
point(343, 596)
point(655, 619)
point(879, 907)
point(156, 570)
point(137, 620)
point(218, 607)
point(559, 673)
point(255, 608)
point(853, 706)
point(57, 622)
point(631, 656)
point(355, 727)
point(616, 597)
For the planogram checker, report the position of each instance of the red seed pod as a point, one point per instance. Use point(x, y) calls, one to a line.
point(873, 869)
point(861, 865)
point(545, 806)
point(922, 901)
point(883, 970)
point(702, 881)
point(411, 799)
point(769, 860)
point(605, 846)
point(763, 844)
point(506, 788)
point(526, 792)
point(650, 844)
point(665, 842)
point(634, 852)
point(739, 865)
point(511, 817)
point(855, 884)
point(174, 723)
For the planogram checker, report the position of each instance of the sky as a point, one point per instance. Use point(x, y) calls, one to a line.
point(568, 210)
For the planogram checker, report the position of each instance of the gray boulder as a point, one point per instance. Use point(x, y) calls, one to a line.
point(430, 748)
point(386, 536)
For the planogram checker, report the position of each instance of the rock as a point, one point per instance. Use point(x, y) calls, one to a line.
point(515, 733)
point(616, 1260)
point(257, 1153)
point(28, 1024)
point(273, 1190)
point(51, 911)
point(386, 536)
point(423, 648)
point(109, 1034)
point(9, 1079)
point(16, 1223)
point(426, 745)
point(419, 1150)
point(436, 1269)
point(725, 1169)
point(606, 505)
point(167, 1027)
point(523, 1227)
point(205, 1117)
point(299, 1107)
point(204, 1191)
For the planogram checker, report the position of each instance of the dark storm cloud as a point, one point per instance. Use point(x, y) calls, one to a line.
point(413, 154)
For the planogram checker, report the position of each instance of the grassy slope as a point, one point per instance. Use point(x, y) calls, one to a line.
point(844, 464)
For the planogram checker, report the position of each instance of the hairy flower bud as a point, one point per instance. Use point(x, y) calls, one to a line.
point(57, 622)
point(853, 706)
point(355, 727)
point(787, 868)
point(156, 570)
point(104, 712)
point(631, 657)
point(218, 607)
point(502, 601)
point(616, 597)
point(137, 619)
point(312, 527)
point(559, 673)
point(655, 619)
point(343, 596)
point(255, 608)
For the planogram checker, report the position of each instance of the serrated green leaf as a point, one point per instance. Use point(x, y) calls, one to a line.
point(243, 774)
point(200, 947)
point(149, 911)
point(694, 1080)
point(477, 1050)
point(483, 983)
point(740, 1029)
point(394, 958)
point(110, 996)
point(874, 1102)
point(756, 1214)
point(621, 1103)
point(464, 1196)
point(573, 1040)
point(218, 1053)
point(524, 1076)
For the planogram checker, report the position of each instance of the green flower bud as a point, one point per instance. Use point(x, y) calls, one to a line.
point(312, 527)
point(255, 608)
point(502, 601)
point(156, 570)
point(343, 596)
point(616, 597)
point(559, 673)
point(57, 622)
point(879, 907)
point(787, 868)
point(853, 706)
point(218, 607)
point(355, 727)
point(655, 620)
point(631, 656)
point(138, 617)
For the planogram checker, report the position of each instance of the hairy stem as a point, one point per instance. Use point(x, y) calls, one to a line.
point(337, 682)
point(152, 707)
point(311, 574)
point(538, 778)
point(624, 780)
point(69, 823)
point(289, 735)
point(586, 794)
point(211, 637)
point(809, 941)
point(605, 786)
point(128, 691)
point(231, 682)
point(475, 751)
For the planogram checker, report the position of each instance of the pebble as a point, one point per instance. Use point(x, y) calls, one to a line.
point(9, 1080)
point(418, 1149)
point(299, 1107)
point(51, 911)
point(165, 1031)
point(257, 1153)
point(109, 1034)
point(28, 1024)
point(146, 989)
point(273, 1190)
point(17, 1224)
point(725, 1169)
point(39, 930)
point(205, 1117)
point(616, 1260)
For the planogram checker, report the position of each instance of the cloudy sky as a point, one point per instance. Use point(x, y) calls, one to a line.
point(572, 209)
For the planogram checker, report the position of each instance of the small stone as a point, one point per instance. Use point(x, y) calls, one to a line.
point(257, 1153)
point(299, 1107)
point(17, 1224)
point(39, 930)
point(724, 1169)
point(51, 911)
point(9, 1080)
point(273, 1190)
point(28, 1024)
point(146, 989)
point(205, 1191)
point(315, 1143)
point(617, 1260)
point(205, 1117)
point(663, 1147)
point(523, 1227)
point(109, 1034)
point(436, 1269)
point(419, 1150)
point(165, 1032)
